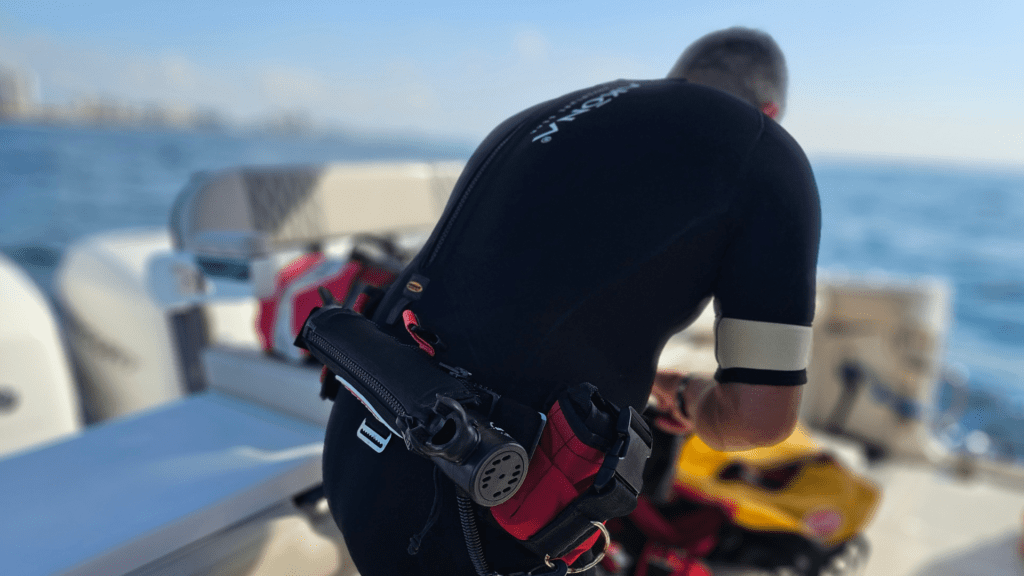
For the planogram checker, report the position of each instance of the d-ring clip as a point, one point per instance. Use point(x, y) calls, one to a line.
point(607, 544)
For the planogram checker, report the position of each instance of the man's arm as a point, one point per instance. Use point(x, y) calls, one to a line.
point(764, 298)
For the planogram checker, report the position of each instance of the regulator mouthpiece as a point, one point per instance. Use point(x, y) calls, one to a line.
point(480, 458)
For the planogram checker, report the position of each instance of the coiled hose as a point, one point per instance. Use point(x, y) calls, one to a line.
point(472, 536)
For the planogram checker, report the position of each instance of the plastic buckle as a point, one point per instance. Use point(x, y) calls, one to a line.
point(617, 452)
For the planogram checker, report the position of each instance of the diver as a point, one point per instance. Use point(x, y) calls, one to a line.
point(583, 232)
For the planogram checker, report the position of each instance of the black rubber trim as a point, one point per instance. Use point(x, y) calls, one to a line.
point(767, 377)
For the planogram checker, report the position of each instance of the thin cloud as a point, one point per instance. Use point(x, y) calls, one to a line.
point(282, 85)
point(531, 45)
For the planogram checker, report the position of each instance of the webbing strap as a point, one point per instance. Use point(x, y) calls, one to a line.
point(412, 326)
point(520, 422)
point(626, 458)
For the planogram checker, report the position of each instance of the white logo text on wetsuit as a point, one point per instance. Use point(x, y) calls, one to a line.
point(551, 124)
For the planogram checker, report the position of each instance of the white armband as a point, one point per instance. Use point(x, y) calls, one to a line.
point(761, 345)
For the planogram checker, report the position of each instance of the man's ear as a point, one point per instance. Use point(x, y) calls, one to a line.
point(771, 109)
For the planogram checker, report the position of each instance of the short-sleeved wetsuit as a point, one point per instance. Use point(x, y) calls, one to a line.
point(583, 233)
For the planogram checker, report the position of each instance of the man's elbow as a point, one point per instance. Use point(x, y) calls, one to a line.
point(745, 437)
point(753, 427)
point(744, 416)
point(769, 435)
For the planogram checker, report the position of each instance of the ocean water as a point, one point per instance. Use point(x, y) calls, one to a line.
point(59, 184)
point(967, 227)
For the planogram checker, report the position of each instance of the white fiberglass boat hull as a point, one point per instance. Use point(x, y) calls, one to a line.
point(38, 398)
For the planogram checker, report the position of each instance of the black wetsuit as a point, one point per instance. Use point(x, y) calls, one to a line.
point(583, 233)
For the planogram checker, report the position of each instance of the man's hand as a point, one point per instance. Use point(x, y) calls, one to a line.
point(669, 398)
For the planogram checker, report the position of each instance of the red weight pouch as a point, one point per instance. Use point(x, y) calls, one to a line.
point(587, 469)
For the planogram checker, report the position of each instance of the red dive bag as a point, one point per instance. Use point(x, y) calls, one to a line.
point(281, 316)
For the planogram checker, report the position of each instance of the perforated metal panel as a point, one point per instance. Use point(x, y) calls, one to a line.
point(284, 203)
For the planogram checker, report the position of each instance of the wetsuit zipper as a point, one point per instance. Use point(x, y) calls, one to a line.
point(365, 377)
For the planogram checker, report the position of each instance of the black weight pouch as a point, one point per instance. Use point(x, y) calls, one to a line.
point(438, 416)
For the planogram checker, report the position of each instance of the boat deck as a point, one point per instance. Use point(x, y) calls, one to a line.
point(932, 523)
point(933, 520)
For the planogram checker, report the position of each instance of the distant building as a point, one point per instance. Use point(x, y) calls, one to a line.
point(18, 93)
point(20, 101)
point(290, 122)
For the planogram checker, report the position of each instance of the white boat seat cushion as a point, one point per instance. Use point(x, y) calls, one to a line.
point(254, 376)
point(275, 208)
point(130, 491)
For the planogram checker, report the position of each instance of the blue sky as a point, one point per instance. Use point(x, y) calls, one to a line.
point(915, 79)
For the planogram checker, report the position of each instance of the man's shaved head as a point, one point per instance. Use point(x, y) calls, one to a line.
point(743, 62)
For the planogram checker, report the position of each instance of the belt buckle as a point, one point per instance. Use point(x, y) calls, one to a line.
point(616, 453)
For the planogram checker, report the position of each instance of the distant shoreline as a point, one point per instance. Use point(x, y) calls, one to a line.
point(335, 134)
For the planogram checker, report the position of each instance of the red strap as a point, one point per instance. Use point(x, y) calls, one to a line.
point(411, 324)
point(579, 550)
point(360, 302)
point(340, 285)
point(668, 561)
point(696, 531)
